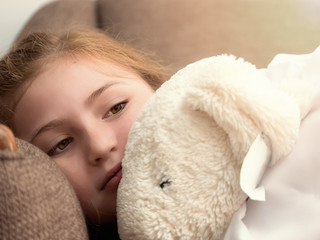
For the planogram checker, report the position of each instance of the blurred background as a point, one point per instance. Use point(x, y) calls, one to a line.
point(179, 31)
point(13, 15)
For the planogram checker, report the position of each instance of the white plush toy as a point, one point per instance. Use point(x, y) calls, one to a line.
point(181, 171)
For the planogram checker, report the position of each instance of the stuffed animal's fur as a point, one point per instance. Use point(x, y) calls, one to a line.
point(185, 150)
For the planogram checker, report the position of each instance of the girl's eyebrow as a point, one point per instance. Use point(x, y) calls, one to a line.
point(95, 94)
point(46, 127)
point(57, 123)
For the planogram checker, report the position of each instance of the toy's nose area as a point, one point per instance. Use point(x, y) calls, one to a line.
point(7, 139)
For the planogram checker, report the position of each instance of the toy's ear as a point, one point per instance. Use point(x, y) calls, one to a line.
point(242, 101)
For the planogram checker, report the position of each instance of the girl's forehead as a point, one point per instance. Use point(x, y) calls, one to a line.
point(76, 78)
point(99, 64)
point(74, 82)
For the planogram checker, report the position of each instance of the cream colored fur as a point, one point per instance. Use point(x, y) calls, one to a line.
point(185, 150)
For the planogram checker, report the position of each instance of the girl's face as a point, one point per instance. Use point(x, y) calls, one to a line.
point(79, 113)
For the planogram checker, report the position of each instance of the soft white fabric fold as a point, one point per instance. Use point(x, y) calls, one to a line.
point(291, 209)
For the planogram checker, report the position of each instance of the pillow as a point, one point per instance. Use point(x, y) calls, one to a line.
point(36, 199)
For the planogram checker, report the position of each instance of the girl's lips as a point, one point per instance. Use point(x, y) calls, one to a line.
point(112, 178)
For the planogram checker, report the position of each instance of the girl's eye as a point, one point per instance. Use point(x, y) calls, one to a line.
point(61, 146)
point(116, 109)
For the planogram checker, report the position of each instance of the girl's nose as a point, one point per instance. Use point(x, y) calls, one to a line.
point(102, 143)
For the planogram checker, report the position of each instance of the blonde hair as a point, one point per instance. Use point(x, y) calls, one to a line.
point(29, 57)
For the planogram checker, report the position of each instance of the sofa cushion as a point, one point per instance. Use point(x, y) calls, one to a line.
point(61, 15)
point(36, 200)
point(182, 31)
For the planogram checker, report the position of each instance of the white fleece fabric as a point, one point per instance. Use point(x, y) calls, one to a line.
point(292, 187)
point(185, 150)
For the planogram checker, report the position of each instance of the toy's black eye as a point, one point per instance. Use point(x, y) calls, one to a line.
point(165, 183)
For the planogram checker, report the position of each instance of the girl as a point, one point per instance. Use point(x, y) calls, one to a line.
point(75, 96)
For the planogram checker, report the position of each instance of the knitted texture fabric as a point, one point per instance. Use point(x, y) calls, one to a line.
point(36, 200)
